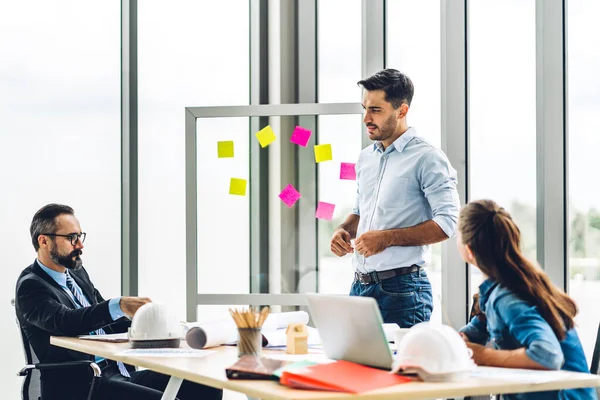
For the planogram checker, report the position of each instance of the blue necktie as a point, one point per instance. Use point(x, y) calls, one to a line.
point(82, 302)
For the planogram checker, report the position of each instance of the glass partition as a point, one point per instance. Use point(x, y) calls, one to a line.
point(223, 218)
point(221, 229)
point(584, 142)
point(344, 133)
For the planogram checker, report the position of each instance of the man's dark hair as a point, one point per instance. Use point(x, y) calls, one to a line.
point(398, 87)
point(44, 221)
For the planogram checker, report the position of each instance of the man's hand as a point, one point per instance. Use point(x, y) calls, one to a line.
point(129, 305)
point(370, 243)
point(340, 242)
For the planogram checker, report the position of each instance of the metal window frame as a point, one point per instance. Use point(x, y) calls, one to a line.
point(307, 171)
point(283, 89)
point(259, 160)
point(455, 139)
point(374, 36)
point(551, 139)
point(374, 33)
point(193, 298)
point(129, 149)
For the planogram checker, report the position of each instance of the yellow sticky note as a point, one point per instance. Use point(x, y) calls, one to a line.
point(266, 136)
point(237, 186)
point(323, 152)
point(225, 149)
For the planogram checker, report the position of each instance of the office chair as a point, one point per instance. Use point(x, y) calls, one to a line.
point(595, 366)
point(475, 311)
point(31, 388)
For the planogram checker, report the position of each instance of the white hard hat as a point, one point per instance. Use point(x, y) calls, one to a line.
point(435, 352)
point(154, 325)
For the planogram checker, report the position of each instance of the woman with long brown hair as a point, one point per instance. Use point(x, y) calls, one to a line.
point(528, 321)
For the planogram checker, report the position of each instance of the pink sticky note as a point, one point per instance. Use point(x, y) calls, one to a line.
point(301, 136)
point(289, 195)
point(348, 171)
point(325, 210)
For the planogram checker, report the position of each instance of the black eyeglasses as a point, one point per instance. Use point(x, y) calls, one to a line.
point(74, 237)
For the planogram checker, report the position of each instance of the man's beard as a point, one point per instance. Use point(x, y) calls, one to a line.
point(67, 261)
point(387, 130)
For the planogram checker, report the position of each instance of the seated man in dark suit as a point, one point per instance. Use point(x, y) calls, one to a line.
point(55, 296)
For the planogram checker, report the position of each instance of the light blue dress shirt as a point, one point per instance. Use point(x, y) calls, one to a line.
point(113, 304)
point(404, 185)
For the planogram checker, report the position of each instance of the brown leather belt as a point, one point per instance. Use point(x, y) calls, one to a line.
point(374, 277)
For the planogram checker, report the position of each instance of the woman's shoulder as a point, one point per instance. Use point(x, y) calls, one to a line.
point(501, 296)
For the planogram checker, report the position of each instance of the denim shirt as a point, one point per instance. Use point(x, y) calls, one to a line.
point(513, 323)
point(408, 183)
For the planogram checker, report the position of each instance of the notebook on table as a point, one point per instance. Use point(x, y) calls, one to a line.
point(340, 376)
point(252, 367)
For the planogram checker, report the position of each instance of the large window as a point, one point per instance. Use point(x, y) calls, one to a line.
point(182, 64)
point(413, 47)
point(502, 112)
point(60, 138)
point(584, 142)
point(339, 69)
point(59, 141)
point(339, 61)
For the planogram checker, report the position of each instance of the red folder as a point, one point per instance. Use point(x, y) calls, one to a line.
point(340, 376)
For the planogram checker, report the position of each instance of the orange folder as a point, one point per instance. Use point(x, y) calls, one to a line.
point(340, 376)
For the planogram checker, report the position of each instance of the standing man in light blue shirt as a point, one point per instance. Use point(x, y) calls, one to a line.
point(406, 200)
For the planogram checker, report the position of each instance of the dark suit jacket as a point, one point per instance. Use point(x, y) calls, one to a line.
point(44, 309)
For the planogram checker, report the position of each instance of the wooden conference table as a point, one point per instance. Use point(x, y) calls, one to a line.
point(210, 370)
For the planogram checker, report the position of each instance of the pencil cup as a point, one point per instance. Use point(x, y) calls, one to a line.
point(250, 342)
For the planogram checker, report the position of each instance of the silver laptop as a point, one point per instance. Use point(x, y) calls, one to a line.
point(351, 329)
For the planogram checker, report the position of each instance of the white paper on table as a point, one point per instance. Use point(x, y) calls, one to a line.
point(282, 320)
point(166, 352)
point(278, 338)
point(314, 357)
point(316, 348)
point(390, 331)
point(112, 337)
point(518, 375)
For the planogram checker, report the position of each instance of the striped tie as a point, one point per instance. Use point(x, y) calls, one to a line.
point(82, 302)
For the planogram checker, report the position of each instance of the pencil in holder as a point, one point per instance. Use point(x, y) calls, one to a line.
point(250, 342)
point(249, 324)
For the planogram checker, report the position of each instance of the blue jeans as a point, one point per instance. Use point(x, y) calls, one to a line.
point(404, 299)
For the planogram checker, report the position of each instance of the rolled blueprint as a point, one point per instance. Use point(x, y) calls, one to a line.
point(211, 334)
